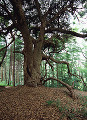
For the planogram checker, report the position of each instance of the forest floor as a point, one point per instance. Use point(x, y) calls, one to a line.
point(41, 103)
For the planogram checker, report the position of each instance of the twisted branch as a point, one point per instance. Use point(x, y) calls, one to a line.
point(44, 57)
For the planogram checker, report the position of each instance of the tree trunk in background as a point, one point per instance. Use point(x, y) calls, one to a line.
point(5, 77)
point(46, 73)
point(18, 67)
point(14, 64)
point(1, 73)
point(9, 76)
point(10, 67)
point(53, 76)
point(57, 73)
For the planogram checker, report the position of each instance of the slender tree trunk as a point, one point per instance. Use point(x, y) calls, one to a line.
point(1, 73)
point(9, 76)
point(18, 67)
point(14, 65)
point(53, 77)
point(5, 76)
point(57, 74)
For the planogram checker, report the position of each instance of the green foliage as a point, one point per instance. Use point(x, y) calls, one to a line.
point(74, 22)
point(85, 6)
point(49, 102)
point(82, 13)
point(84, 30)
point(3, 83)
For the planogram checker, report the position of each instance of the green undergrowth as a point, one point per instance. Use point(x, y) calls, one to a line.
point(68, 111)
point(3, 83)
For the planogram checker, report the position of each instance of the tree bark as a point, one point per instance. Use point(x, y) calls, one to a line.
point(1, 73)
point(32, 58)
point(14, 64)
point(70, 88)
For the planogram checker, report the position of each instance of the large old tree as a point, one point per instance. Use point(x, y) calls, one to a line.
point(39, 22)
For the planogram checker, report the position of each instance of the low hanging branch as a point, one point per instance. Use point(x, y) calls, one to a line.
point(44, 57)
point(66, 32)
point(70, 88)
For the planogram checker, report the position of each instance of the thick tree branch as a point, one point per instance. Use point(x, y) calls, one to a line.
point(66, 32)
point(38, 9)
point(70, 88)
point(52, 78)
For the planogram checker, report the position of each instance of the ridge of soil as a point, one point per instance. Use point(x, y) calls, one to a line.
point(29, 103)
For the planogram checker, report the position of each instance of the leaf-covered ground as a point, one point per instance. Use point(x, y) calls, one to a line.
point(41, 103)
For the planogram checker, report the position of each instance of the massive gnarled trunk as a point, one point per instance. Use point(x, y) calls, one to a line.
point(32, 47)
point(32, 59)
point(32, 65)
